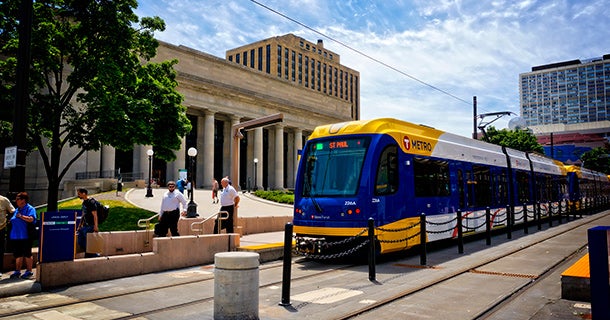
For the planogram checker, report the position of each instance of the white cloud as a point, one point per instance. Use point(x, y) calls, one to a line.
point(465, 47)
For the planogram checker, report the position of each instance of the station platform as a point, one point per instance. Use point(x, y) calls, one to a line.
point(334, 294)
point(576, 281)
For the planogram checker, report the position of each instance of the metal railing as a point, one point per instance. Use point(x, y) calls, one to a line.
point(145, 223)
point(223, 215)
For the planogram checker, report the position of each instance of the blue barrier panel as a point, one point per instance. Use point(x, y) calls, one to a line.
point(598, 266)
point(57, 236)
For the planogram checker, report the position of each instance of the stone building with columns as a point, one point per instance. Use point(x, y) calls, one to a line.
point(219, 94)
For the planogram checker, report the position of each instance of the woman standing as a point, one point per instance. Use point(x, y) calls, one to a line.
point(22, 243)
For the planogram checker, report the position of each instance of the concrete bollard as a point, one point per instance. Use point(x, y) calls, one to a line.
point(236, 285)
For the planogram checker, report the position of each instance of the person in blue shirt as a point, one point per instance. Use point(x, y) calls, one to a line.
point(180, 184)
point(22, 243)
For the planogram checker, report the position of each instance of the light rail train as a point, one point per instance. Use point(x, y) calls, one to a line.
point(395, 171)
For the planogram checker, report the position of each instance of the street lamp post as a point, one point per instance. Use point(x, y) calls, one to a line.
point(192, 206)
point(255, 165)
point(149, 193)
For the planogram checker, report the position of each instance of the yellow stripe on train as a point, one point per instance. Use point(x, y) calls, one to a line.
point(412, 138)
point(392, 237)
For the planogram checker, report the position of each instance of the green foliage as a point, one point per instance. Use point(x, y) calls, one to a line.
point(123, 215)
point(597, 159)
point(522, 140)
point(276, 196)
point(91, 81)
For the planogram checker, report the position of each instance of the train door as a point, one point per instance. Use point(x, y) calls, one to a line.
point(387, 201)
point(463, 189)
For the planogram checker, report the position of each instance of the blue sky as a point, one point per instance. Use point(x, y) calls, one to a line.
point(464, 48)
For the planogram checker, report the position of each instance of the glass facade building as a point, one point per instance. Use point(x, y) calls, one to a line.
point(570, 92)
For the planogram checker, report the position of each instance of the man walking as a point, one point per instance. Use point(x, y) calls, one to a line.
point(229, 200)
point(88, 221)
point(170, 211)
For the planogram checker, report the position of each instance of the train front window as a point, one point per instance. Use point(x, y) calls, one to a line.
point(333, 167)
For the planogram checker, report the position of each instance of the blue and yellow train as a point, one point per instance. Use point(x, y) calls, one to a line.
point(393, 171)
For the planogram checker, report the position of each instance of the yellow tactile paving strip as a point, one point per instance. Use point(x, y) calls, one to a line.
point(580, 269)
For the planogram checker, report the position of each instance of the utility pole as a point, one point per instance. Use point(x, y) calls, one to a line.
point(24, 57)
point(474, 117)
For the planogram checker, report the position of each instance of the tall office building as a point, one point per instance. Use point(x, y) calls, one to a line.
point(304, 63)
point(567, 106)
point(569, 92)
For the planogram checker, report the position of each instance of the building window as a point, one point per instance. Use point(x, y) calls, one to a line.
point(252, 58)
point(279, 61)
point(230, 58)
point(313, 73)
point(268, 59)
point(245, 58)
point(260, 58)
point(237, 60)
point(300, 68)
point(286, 57)
point(324, 78)
point(293, 67)
point(318, 73)
point(306, 71)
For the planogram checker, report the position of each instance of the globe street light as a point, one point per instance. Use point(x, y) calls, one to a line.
point(192, 207)
point(149, 193)
point(255, 165)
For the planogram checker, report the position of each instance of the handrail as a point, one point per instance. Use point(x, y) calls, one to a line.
point(224, 215)
point(145, 223)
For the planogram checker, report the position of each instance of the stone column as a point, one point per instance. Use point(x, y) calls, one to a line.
point(279, 156)
point(234, 155)
point(107, 160)
point(177, 164)
point(207, 150)
point(298, 145)
point(258, 154)
point(200, 151)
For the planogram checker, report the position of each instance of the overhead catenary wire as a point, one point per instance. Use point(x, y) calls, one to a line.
point(363, 54)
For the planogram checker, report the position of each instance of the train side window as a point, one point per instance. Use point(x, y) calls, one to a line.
point(387, 171)
point(461, 194)
point(523, 186)
point(431, 177)
point(482, 185)
point(500, 188)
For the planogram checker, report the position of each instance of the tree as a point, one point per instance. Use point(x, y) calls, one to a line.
point(515, 139)
point(597, 159)
point(92, 82)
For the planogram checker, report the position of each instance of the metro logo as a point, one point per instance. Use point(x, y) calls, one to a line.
point(416, 145)
point(406, 142)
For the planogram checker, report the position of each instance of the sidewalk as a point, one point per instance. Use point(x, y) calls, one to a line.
point(249, 205)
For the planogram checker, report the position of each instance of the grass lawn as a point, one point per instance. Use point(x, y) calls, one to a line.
point(123, 215)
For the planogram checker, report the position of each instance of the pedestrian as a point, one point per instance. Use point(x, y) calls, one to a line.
point(170, 211)
point(214, 191)
point(189, 188)
point(229, 201)
point(88, 220)
point(21, 238)
point(6, 209)
point(180, 184)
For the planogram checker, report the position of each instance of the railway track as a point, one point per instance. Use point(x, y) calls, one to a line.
point(480, 284)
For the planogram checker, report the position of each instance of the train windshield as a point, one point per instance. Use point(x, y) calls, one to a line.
point(333, 167)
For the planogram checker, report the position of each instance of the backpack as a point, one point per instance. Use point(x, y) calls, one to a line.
point(102, 211)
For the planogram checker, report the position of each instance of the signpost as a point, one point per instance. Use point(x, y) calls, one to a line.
point(58, 236)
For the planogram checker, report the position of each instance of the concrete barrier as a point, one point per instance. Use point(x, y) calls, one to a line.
point(167, 253)
point(236, 280)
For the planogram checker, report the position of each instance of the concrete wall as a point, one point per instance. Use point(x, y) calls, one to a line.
point(129, 253)
point(167, 253)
